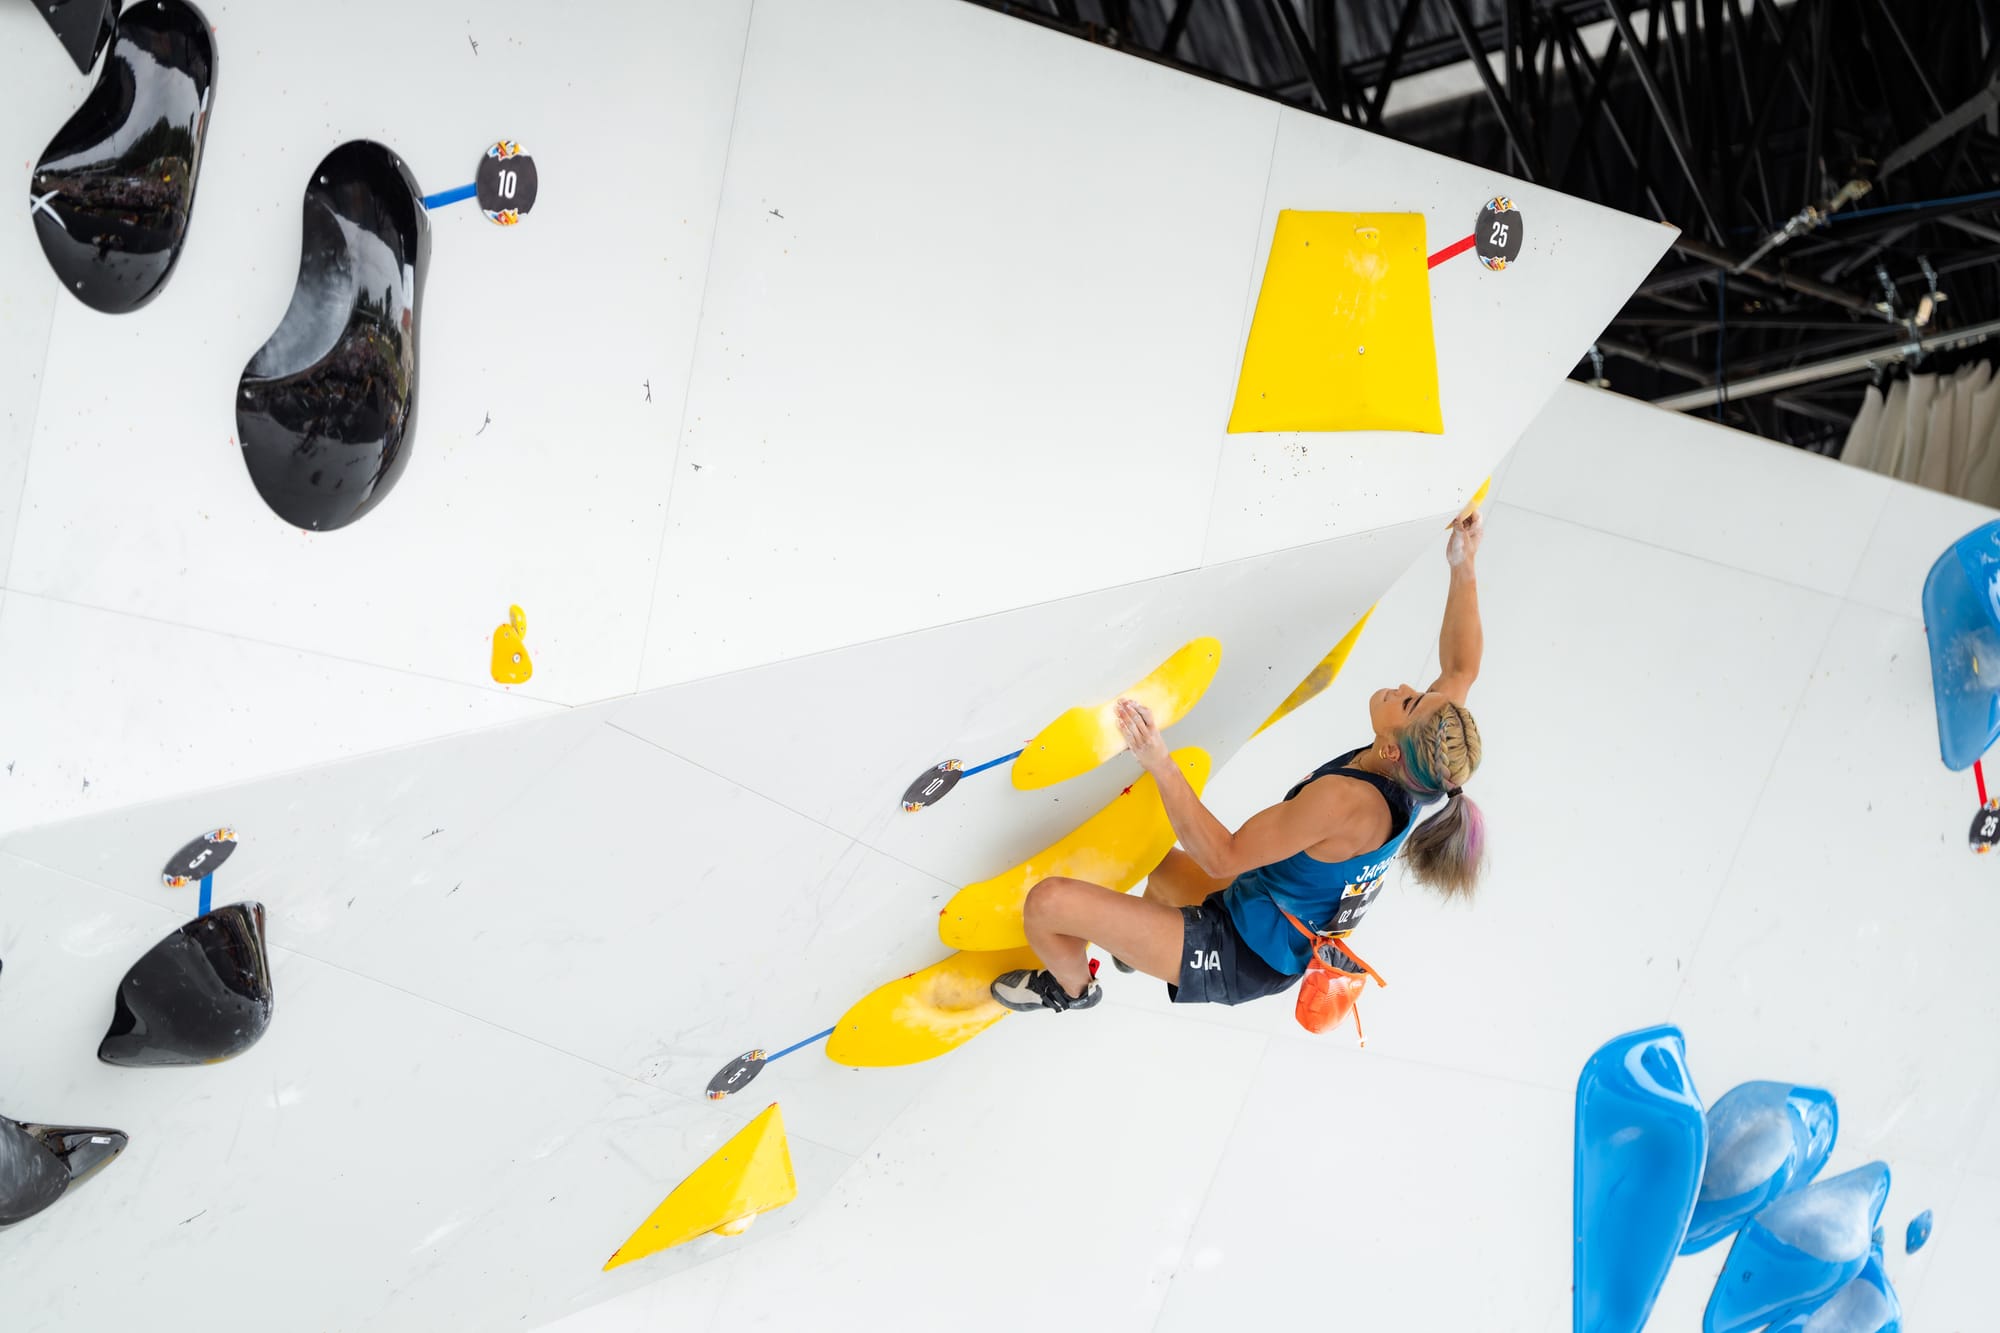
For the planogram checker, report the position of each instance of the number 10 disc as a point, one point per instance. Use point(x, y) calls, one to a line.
point(506, 183)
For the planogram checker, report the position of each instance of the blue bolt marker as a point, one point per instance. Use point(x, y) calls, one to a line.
point(443, 197)
point(992, 763)
point(818, 1036)
point(207, 884)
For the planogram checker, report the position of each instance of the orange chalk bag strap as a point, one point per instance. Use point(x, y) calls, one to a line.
point(1327, 994)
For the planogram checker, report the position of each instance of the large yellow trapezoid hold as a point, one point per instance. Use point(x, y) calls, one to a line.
point(750, 1174)
point(1342, 337)
point(1322, 675)
point(925, 1014)
point(1085, 737)
point(1115, 847)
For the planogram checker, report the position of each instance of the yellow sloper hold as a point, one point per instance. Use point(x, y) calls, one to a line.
point(1478, 497)
point(1115, 847)
point(925, 1014)
point(1322, 675)
point(511, 664)
point(1342, 336)
point(1085, 737)
point(750, 1174)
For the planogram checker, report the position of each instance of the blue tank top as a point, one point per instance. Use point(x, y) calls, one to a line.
point(1328, 896)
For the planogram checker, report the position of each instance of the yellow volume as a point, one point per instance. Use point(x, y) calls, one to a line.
point(1342, 337)
point(1085, 737)
point(925, 1014)
point(1322, 675)
point(750, 1174)
point(1115, 847)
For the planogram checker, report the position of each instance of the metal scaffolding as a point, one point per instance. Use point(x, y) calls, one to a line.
point(1834, 165)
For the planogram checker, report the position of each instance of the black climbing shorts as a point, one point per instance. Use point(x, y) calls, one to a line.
point(1217, 967)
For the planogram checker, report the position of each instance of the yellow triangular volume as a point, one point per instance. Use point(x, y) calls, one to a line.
point(1342, 337)
point(750, 1174)
point(1322, 675)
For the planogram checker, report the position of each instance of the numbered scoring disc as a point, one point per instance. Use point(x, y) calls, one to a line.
point(199, 859)
point(507, 183)
point(932, 785)
point(1986, 828)
point(1496, 238)
point(736, 1075)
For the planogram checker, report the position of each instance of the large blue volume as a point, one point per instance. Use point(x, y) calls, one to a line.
point(1763, 1139)
point(1962, 621)
point(1798, 1252)
point(1641, 1140)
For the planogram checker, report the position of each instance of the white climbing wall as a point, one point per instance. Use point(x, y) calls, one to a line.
point(826, 327)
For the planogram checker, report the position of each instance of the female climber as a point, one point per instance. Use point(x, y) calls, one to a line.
point(1212, 920)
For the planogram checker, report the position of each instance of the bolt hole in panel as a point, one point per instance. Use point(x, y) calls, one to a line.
point(326, 409)
point(114, 191)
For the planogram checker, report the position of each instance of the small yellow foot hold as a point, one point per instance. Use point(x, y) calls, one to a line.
point(1116, 847)
point(511, 664)
point(1085, 737)
point(1342, 336)
point(1322, 675)
point(925, 1014)
point(750, 1174)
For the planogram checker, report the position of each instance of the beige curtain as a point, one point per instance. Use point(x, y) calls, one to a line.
point(1940, 431)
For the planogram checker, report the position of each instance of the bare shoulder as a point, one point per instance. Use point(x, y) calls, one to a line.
point(1352, 813)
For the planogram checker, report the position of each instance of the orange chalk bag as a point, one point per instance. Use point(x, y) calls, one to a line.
point(1327, 994)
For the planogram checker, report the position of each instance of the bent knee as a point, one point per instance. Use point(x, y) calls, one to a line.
point(1049, 896)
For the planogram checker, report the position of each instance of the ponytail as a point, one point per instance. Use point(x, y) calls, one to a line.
point(1445, 851)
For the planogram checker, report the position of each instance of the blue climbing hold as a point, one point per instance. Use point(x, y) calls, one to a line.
point(1962, 621)
point(1763, 1139)
point(1800, 1250)
point(1919, 1231)
point(1867, 1304)
point(1640, 1143)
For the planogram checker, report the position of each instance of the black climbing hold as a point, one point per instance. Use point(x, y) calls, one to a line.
point(1497, 235)
point(202, 856)
point(326, 409)
point(1986, 828)
point(39, 1163)
point(736, 1075)
point(199, 996)
point(82, 26)
point(932, 785)
point(113, 193)
point(506, 183)
point(31, 1177)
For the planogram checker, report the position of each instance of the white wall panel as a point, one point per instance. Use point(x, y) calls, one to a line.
point(1785, 513)
point(369, 1164)
point(840, 736)
point(137, 498)
point(956, 356)
point(99, 709)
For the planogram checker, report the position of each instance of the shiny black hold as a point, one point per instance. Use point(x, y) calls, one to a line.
point(327, 408)
point(31, 1177)
point(82, 26)
point(113, 193)
point(199, 996)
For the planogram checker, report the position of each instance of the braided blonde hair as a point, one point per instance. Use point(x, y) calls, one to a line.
point(1437, 756)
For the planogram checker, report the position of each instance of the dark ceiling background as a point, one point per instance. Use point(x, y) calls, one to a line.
point(1834, 165)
